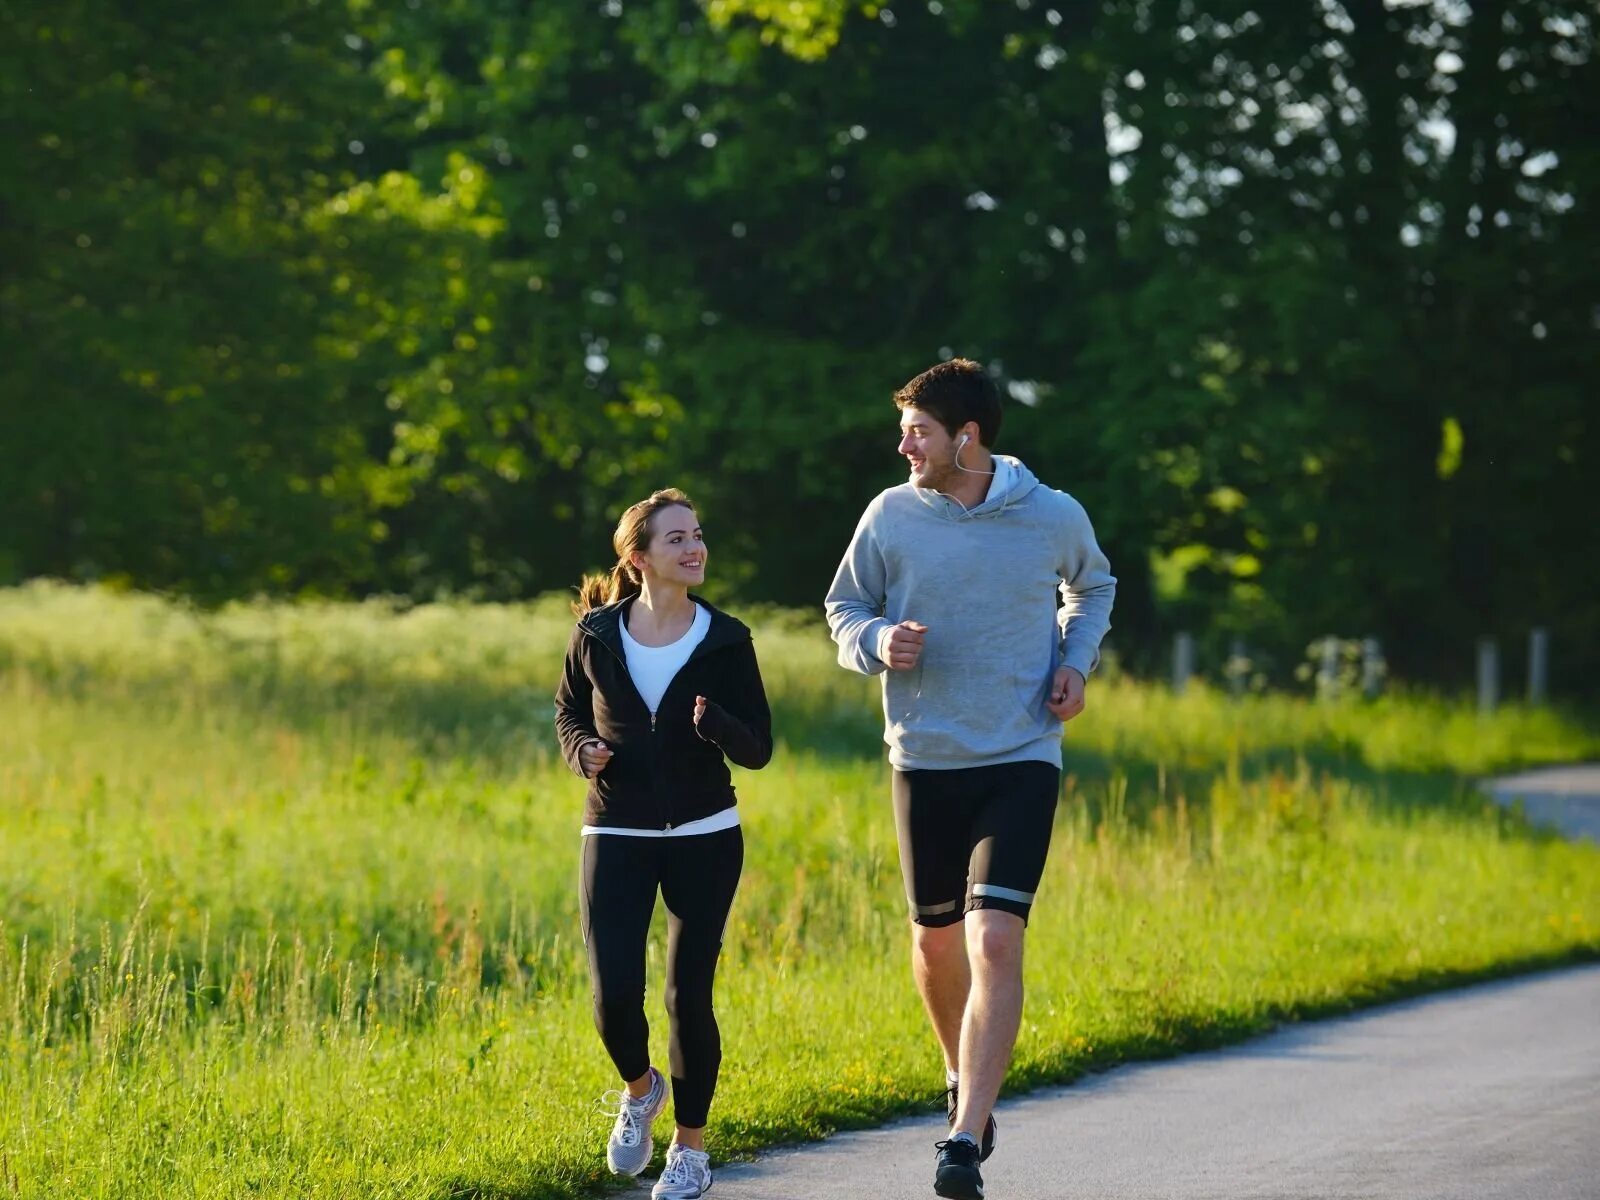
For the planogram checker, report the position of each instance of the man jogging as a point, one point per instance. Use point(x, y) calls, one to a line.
point(949, 589)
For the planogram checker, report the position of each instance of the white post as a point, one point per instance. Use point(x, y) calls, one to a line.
point(1538, 665)
point(1328, 673)
point(1182, 662)
point(1238, 666)
point(1488, 675)
point(1371, 667)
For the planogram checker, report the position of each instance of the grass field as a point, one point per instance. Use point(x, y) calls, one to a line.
point(288, 896)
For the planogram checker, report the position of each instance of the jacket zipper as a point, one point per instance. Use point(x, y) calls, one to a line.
point(655, 754)
point(655, 757)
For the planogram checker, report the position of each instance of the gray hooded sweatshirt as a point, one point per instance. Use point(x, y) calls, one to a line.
point(984, 582)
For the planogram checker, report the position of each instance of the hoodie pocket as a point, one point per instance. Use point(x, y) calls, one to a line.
point(908, 687)
point(1034, 696)
point(904, 710)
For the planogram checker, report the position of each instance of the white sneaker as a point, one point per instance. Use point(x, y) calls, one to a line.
point(629, 1148)
point(687, 1175)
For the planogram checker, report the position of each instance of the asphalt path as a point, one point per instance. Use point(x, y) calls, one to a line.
point(1490, 1093)
point(1564, 798)
point(1485, 1093)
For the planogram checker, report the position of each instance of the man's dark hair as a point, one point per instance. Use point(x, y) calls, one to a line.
point(954, 393)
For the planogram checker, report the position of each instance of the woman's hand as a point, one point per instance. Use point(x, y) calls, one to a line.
point(699, 710)
point(593, 757)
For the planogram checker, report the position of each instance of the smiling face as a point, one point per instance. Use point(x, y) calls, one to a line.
point(929, 449)
point(677, 550)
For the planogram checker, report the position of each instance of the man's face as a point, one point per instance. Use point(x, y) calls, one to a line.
point(930, 451)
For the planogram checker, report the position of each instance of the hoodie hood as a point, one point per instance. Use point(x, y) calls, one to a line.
point(1011, 483)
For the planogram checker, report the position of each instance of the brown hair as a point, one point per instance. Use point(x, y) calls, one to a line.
point(953, 393)
point(633, 533)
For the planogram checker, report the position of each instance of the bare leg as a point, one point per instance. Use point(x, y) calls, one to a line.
point(639, 1088)
point(993, 1013)
point(939, 963)
point(695, 1139)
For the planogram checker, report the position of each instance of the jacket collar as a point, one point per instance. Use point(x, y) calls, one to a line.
point(605, 624)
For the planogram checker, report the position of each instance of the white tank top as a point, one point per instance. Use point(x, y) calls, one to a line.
point(652, 667)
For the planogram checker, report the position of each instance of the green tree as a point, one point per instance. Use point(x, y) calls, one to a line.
point(164, 414)
point(1299, 301)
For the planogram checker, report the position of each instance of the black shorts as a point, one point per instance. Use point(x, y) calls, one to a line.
point(975, 837)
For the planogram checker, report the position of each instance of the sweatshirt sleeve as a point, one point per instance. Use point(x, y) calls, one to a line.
point(575, 705)
point(857, 599)
point(1088, 590)
point(741, 728)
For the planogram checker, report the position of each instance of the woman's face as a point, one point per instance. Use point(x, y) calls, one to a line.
point(677, 550)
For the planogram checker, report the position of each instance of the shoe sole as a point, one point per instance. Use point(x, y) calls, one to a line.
point(957, 1185)
point(623, 1172)
point(703, 1190)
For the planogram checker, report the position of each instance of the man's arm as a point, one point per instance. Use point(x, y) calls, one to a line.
point(1088, 590)
point(856, 601)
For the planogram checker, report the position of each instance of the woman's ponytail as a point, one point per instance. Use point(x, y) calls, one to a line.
point(597, 590)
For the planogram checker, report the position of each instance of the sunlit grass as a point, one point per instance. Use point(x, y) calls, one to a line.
point(288, 896)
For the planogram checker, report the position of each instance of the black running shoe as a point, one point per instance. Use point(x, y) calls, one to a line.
point(955, 1170)
point(989, 1131)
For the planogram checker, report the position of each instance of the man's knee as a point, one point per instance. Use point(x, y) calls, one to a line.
point(994, 940)
point(935, 943)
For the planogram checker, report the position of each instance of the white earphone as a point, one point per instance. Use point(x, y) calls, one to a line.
point(965, 438)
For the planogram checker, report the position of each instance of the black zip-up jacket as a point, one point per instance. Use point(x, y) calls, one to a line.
point(663, 771)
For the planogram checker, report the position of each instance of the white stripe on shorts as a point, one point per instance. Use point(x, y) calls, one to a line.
point(1002, 893)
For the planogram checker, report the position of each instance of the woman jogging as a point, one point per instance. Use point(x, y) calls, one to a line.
point(658, 687)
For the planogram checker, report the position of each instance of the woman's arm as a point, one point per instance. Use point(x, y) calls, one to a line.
point(742, 728)
point(575, 706)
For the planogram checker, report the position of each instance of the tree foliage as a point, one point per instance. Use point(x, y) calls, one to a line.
point(1300, 300)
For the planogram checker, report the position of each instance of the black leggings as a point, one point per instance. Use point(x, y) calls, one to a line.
point(697, 876)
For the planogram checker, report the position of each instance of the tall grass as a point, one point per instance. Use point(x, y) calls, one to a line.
point(288, 895)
